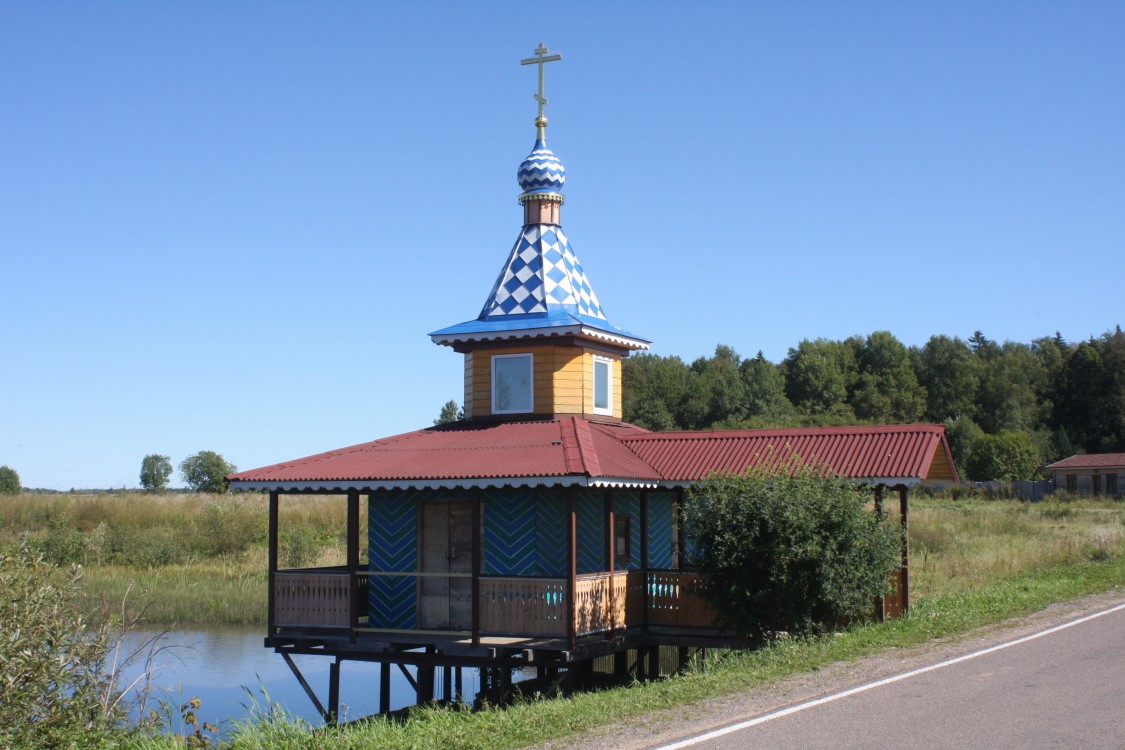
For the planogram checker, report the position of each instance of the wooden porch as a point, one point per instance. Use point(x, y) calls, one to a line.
point(335, 601)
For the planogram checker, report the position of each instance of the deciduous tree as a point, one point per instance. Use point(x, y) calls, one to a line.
point(9, 481)
point(206, 471)
point(156, 470)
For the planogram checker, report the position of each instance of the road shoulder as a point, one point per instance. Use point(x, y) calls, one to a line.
point(667, 726)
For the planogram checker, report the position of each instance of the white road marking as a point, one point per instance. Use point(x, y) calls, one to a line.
point(878, 683)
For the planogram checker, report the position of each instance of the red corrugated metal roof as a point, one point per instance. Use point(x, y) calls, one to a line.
point(470, 450)
point(1091, 460)
point(574, 446)
point(880, 452)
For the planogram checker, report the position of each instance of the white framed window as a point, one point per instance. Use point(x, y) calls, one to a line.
point(513, 389)
point(603, 385)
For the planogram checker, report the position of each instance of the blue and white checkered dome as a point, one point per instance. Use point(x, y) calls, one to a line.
point(541, 171)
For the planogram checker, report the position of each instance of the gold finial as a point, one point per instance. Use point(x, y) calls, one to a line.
point(541, 56)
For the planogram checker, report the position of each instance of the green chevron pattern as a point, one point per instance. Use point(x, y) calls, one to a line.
point(510, 532)
point(392, 547)
point(551, 535)
point(660, 529)
point(590, 510)
point(629, 502)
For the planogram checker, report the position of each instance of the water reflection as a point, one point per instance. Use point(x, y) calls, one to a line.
point(220, 666)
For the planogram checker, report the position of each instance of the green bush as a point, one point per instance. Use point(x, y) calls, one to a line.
point(229, 526)
point(793, 553)
point(63, 545)
point(54, 688)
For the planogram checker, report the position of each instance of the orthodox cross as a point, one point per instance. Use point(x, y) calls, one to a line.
point(541, 57)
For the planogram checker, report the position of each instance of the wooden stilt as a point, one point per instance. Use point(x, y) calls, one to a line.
point(333, 692)
point(447, 683)
point(384, 688)
point(459, 686)
point(653, 670)
point(620, 666)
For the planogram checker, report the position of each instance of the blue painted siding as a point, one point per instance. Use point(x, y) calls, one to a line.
point(525, 532)
point(392, 534)
point(628, 502)
point(590, 508)
point(660, 505)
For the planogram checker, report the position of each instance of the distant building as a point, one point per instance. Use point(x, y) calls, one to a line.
point(1093, 474)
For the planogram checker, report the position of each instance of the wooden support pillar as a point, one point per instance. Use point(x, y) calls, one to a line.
point(353, 561)
point(477, 562)
point(272, 562)
point(384, 687)
point(653, 670)
point(571, 567)
point(904, 507)
point(333, 692)
point(447, 683)
point(683, 658)
point(644, 562)
point(459, 685)
point(880, 601)
point(620, 665)
point(607, 509)
point(425, 689)
point(677, 526)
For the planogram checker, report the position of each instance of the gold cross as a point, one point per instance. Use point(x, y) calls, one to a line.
point(540, 58)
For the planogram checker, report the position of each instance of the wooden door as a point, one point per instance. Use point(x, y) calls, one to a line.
point(445, 561)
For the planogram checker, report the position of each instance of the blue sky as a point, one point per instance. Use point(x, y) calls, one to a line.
point(229, 226)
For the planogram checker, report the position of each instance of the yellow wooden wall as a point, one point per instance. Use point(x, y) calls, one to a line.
point(940, 468)
point(563, 379)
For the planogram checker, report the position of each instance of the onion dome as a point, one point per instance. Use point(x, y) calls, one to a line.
point(541, 174)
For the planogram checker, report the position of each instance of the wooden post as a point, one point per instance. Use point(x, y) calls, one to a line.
point(653, 671)
point(459, 685)
point(571, 568)
point(880, 601)
point(353, 561)
point(644, 561)
point(425, 691)
point(904, 507)
point(607, 509)
point(272, 564)
point(333, 716)
point(384, 687)
point(447, 683)
point(478, 545)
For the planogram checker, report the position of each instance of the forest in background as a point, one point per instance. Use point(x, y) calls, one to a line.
point(1009, 408)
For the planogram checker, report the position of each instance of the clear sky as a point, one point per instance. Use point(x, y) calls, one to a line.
point(230, 226)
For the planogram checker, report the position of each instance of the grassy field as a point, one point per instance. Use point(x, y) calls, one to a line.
point(200, 560)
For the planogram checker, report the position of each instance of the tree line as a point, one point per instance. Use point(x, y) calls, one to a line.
point(1010, 408)
point(205, 471)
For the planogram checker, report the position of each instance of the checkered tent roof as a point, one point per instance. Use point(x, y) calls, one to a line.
point(542, 275)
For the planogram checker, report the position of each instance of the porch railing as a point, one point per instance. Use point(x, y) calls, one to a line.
point(317, 597)
point(523, 606)
point(673, 601)
point(510, 605)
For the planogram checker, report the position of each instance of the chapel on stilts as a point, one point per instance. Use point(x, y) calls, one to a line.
point(541, 531)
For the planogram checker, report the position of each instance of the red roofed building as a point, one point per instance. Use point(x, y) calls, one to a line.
point(1092, 474)
point(542, 530)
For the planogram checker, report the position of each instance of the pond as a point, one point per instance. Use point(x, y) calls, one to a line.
point(230, 671)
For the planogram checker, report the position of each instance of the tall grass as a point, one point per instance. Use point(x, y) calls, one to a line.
point(201, 560)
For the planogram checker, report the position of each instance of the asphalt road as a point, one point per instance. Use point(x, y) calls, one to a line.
point(1062, 689)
